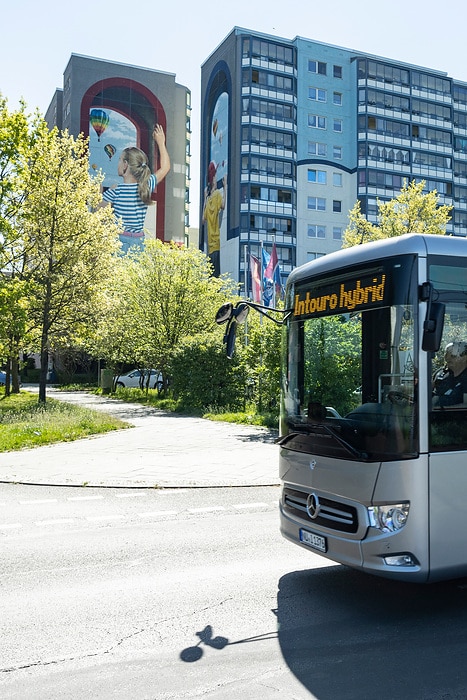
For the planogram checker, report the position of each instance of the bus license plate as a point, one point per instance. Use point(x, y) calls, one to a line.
point(312, 540)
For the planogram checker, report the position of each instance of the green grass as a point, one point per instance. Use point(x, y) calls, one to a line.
point(152, 398)
point(24, 423)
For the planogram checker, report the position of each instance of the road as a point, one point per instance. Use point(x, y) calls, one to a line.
point(170, 594)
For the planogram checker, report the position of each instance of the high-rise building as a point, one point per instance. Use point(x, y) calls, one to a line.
point(295, 131)
point(117, 105)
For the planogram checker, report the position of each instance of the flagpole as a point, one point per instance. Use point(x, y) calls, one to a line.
point(246, 268)
point(273, 280)
point(261, 286)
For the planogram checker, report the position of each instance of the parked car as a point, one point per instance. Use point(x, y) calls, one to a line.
point(133, 379)
point(2, 378)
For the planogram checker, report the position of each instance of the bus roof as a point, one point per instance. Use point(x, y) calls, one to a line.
point(400, 245)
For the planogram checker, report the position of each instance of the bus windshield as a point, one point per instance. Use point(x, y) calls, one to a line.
point(349, 389)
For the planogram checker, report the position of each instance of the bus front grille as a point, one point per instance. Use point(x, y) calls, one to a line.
point(332, 514)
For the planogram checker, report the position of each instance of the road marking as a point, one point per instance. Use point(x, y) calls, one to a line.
point(38, 501)
point(245, 506)
point(97, 518)
point(157, 513)
point(85, 498)
point(208, 509)
point(57, 521)
point(11, 526)
point(129, 495)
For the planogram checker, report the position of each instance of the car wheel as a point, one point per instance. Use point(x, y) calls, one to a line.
point(120, 385)
point(159, 386)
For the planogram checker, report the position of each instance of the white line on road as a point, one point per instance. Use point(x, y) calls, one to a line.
point(11, 526)
point(38, 501)
point(245, 506)
point(97, 518)
point(207, 509)
point(157, 513)
point(85, 498)
point(56, 521)
point(129, 495)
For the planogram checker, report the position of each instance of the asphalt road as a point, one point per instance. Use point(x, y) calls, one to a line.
point(191, 593)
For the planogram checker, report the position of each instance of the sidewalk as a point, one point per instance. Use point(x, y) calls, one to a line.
point(160, 450)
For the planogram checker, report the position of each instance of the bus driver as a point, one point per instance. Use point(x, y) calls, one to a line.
point(450, 382)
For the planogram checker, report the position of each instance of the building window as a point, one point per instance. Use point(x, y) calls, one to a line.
point(336, 205)
point(316, 122)
point(317, 203)
point(337, 98)
point(313, 256)
point(337, 71)
point(317, 67)
point(337, 233)
point(316, 149)
point(337, 179)
point(316, 231)
point(318, 176)
point(317, 94)
point(337, 152)
point(337, 125)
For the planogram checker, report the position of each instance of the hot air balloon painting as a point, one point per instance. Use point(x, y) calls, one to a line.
point(110, 150)
point(99, 121)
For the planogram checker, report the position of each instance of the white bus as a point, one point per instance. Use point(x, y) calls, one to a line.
point(373, 464)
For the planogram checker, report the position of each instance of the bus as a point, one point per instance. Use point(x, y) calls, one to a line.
point(373, 464)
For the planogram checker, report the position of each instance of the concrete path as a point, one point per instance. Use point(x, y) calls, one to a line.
point(161, 450)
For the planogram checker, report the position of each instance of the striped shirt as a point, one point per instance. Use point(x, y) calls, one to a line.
point(127, 204)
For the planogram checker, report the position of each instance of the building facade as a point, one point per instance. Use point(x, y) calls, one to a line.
point(297, 130)
point(117, 105)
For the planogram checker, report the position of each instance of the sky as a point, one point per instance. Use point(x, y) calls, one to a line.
point(178, 36)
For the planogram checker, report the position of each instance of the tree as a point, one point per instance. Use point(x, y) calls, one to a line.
point(18, 133)
point(67, 245)
point(411, 211)
point(160, 296)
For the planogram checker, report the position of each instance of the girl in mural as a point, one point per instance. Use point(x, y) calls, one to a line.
point(214, 203)
point(130, 199)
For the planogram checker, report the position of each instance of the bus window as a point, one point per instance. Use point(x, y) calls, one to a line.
point(448, 416)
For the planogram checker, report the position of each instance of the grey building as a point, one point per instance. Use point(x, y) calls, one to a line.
point(298, 130)
point(117, 105)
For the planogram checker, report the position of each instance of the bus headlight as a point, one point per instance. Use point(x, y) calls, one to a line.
point(390, 518)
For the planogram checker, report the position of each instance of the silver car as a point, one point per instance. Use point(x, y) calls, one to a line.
point(137, 378)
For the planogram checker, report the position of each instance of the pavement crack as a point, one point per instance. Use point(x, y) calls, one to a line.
point(77, 657)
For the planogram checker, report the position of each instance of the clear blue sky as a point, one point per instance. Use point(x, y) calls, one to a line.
point(177, 36)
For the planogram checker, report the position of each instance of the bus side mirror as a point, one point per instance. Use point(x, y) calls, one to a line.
point(433, 327)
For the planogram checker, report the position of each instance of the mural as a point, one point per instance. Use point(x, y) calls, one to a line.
point(129, 184)
point(110, 132)
point(214, 218)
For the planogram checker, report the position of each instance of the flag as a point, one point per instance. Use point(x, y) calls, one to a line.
point(255, 269)
point(268, 286)
point(272, 283)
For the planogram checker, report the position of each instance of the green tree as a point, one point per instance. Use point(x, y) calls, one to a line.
point(160, 296)
point(18, 134)
point(68, 244)
point(411, 211)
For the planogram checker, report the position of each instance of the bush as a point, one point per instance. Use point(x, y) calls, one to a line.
point(203, 378)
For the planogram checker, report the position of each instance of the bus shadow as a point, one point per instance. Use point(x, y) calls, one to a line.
point(349, 635)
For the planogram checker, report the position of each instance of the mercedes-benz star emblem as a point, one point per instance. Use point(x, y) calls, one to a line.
point(313, 506)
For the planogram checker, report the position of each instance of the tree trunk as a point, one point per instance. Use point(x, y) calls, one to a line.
point(43, 374)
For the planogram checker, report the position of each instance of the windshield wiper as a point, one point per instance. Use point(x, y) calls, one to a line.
point(317, 427)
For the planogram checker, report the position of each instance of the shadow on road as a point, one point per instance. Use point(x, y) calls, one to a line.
point(349, 635)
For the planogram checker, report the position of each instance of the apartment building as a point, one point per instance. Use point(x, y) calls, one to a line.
point(297, 130)
point(118, 105)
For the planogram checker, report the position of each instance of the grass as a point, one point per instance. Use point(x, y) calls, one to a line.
point(24, 423)
point(152, 398)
